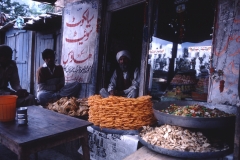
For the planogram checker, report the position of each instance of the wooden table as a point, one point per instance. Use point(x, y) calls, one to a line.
point(45, 129)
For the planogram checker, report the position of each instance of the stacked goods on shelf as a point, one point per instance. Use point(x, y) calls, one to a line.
point(185, 82)
point(121, 113)
point(182, 84)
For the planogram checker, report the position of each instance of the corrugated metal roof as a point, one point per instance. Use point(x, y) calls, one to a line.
point(43, 22)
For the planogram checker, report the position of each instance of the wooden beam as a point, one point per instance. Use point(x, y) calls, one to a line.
point(114, 5)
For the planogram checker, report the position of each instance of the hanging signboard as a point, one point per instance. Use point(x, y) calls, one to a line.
point(200, 50)
point(157, 51)
point(79, 40)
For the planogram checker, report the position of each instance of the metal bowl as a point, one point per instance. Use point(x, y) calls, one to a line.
point(194, 122)
point(197, 155)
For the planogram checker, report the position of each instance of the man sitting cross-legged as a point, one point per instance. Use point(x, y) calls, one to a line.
point(51, 82)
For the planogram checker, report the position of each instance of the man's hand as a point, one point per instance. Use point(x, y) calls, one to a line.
point(22, 93)
point(59, 86)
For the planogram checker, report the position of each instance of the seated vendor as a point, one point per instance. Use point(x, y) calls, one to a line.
point(9, 74)
point(51, 82)
point(125, 79)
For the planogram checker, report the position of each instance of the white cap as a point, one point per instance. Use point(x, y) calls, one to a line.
point(123, 53)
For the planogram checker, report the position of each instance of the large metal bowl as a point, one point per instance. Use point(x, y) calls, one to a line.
point(194, 122)
point(197, 155)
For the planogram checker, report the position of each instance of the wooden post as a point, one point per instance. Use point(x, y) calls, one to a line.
point(236, 154)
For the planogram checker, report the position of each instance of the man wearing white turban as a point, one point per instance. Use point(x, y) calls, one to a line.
point(125, 79)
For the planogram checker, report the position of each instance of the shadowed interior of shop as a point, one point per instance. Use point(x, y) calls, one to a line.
point(180, 23)
point(186, 20)
point(126, 32)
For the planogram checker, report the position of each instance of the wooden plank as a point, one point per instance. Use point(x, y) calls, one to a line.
point(144, 153)
point(103, 47)
point(58, 46)
point(22, 53)
point(91, 87)
point(114, 5)
point(36, 62)
point(42, 42)
point(18, 40)
point(236, 153)
point(30, 60)
point(143, 87)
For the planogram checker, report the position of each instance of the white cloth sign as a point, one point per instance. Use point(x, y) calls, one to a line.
point(79, 40)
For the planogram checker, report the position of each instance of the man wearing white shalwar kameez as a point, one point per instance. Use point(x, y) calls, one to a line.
point(125, 79)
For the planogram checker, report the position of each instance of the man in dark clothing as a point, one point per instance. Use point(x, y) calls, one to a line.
point(51, 81)
point(125, 79)
point(9, 74)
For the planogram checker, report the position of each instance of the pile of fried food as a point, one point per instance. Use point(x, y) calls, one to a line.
point(195, 110)
point(121, 113)
point(70, 106)
point(179, 139)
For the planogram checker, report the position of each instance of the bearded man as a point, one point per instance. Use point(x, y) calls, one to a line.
point(125, 79)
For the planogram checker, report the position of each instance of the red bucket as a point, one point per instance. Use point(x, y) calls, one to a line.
point(7, 108)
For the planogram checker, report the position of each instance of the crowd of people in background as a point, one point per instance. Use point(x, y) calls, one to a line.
point(160, 62)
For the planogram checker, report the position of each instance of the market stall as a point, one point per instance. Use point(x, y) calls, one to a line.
point(183, 129)
point(90, 64)
point(116, 120)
